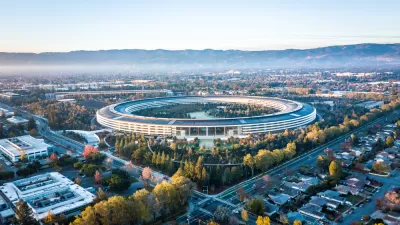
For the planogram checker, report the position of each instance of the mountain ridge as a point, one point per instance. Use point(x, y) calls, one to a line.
point(344, 55)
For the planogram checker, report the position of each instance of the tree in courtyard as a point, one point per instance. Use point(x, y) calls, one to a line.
point(97, 177)
point(257, 206)
point(335, 170)
point(244, 215)
point(24, 214)
point(248, 160)
point(146, 174)
point(263, 220)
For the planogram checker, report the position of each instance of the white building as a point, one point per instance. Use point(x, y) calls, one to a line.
point(31, 147)
point(17, 120)
point(48, 192)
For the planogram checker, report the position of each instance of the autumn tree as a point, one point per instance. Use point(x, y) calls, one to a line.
point(335, 170)
point(263, 220)
point(97, 177)
point(297, 222)
point(248, 160)
point(389, 142)
point(146, 174)
point(184, 187)
point(100, 195)
point(244, 215)
point(78, 181)
point(167, 197)
point(381, 167)
point(88, 150)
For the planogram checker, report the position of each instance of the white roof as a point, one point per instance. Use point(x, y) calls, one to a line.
point(17, 119)
point(25, 143)
point(44, 187)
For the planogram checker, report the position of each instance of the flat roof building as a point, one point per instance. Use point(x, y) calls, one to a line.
point(17, 120)
point(32, 148)
point(48, 192)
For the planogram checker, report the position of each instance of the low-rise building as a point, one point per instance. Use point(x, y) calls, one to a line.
point(17, 120)
point(333, 196)
point(28, 146)
point(48, 192)
point(312, 210)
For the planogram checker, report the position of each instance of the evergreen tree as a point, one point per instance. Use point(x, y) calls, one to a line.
point(31, 124)
point(23, 214)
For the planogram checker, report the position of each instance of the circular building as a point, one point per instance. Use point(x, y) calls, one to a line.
point(287, 115)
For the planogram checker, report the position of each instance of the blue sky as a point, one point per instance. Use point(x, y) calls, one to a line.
point(42, 26)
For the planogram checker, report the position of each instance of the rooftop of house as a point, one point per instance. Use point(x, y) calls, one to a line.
point(280, 199)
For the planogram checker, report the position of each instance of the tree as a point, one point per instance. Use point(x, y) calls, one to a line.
point(389, 141)
point(222, 214)
point(379, 203)
point(54, 159)
point(323, 162)
point(297, 222)
point(184, 186)
point(381, 167)
point(248, 160)
point(212, 223)
point(23, 156)
point(146, 174)
point(50, 217)
point(166, 196)
point(97, 177)
point(263, 220)
point(100, 195)
point(24, 214)
point(88, 150)
point(245, 216)
point(78, 181)
point(257, 206)
point(31, 124)
point(335, 170)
